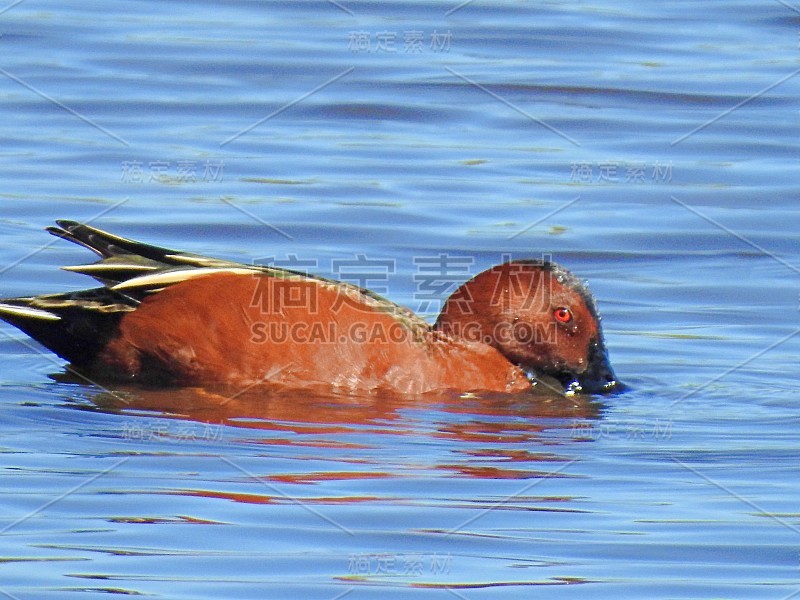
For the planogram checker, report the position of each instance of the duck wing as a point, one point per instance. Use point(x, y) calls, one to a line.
point(78, 325)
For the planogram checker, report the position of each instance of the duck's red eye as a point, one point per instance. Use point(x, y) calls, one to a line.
point(562, 314)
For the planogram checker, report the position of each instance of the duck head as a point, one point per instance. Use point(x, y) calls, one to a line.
point(540, 317)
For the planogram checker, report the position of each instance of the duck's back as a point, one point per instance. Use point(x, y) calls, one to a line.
point(299, 332)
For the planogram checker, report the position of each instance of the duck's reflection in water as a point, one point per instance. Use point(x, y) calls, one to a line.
point(380, 443)
point(482, 418)
point(328, 437)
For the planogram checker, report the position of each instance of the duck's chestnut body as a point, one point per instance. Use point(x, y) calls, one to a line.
point(185, 319)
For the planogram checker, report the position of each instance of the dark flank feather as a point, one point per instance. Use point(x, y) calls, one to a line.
point(75, 325)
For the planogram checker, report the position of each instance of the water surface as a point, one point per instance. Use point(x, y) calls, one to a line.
point(650, 148)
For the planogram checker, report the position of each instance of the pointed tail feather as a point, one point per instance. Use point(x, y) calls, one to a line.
point(106, 244)
point(125, 251)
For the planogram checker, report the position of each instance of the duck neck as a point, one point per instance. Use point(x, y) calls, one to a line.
point(470, 327)
point(469, 313)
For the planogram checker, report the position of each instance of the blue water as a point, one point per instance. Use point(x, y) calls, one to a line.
point(649, 147)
